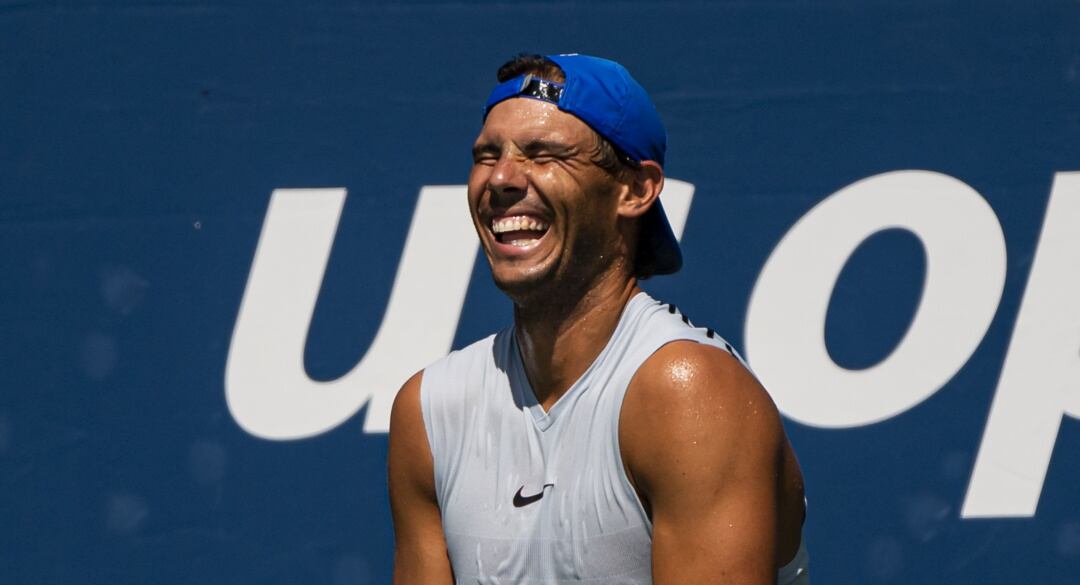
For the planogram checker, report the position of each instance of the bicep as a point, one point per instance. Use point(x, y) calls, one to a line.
point(707, 462)
point(704, 532)
point(419, 545)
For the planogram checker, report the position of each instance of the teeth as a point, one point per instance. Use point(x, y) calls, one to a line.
point(517, 223)
point(523, 243)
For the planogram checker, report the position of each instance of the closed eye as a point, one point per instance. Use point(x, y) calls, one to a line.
point(485, 154)
point(543, 152)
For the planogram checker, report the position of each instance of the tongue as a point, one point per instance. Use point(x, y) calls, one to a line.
point(507, 237)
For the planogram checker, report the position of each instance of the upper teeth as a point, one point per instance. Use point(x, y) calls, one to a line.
point(517, 223)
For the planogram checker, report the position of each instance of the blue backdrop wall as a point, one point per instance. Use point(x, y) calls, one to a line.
point(140, 143)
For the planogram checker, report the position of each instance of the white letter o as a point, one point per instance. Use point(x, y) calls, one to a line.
point(965, 274)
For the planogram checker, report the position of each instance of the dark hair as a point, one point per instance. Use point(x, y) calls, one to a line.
point(608, 157)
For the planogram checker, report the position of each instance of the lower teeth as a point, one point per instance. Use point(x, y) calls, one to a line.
point(522, 243)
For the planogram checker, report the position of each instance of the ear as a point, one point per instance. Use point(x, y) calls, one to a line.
point(643, 189)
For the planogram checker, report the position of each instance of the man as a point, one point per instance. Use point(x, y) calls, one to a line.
point(602, 438)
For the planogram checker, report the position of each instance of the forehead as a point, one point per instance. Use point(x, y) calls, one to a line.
point(525, 118)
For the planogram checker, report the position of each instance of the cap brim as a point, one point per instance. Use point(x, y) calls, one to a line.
point(657, 244)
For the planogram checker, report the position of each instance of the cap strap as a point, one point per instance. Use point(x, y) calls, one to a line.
point(529, 86)
point(541, 89)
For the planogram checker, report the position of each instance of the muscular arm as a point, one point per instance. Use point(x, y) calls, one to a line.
point(703, 444)
point(419, 546)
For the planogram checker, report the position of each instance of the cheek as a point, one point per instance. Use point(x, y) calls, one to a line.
point(478, 174)
point(595, 218)
point(478, 178)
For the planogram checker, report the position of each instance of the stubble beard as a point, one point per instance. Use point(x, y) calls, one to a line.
point(560, 288)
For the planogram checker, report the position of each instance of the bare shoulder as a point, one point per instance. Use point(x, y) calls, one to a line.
point(409, 458)
point(702, 440)
point(690, 392)
point(406, 409)
point(419, 546)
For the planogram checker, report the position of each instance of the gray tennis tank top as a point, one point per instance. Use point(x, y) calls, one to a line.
point(530, 497)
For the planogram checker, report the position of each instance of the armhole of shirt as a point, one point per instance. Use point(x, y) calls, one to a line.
point(797, 571)
point(426, 407)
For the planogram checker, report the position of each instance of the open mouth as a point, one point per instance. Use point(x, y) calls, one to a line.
point(520, 231)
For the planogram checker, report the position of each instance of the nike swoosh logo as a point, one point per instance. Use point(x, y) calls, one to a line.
point(521, 501)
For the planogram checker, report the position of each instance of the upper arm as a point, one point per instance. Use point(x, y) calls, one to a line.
point(705, 448)
point(419, 545)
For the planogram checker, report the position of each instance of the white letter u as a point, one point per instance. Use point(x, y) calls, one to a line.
point(267, 389)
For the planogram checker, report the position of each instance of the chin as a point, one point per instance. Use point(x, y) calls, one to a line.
point(526, 285)
point(519, 285)
point(542, 286)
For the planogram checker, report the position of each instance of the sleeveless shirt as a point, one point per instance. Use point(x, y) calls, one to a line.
point(530, 497)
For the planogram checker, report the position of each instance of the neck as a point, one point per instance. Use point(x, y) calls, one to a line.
point(560, 337)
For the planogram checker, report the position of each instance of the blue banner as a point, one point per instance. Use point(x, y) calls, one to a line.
point(231, 230)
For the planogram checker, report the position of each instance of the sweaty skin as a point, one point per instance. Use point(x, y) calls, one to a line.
point(701, 440)
point(703, 444)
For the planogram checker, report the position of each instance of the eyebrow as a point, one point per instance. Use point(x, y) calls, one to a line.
point(535, 146)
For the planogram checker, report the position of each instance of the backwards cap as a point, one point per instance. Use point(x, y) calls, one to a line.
point(602, 94)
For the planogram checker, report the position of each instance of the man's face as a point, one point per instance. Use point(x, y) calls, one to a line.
point(545, 213)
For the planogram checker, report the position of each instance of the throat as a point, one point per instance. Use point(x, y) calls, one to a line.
point(558, 346)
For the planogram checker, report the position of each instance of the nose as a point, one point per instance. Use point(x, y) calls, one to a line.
point(507, 176)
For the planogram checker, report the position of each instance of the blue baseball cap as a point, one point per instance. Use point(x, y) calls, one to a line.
point(602, 94)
